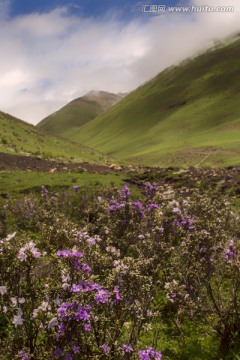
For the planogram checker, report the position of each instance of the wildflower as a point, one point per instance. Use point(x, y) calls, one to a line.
point(22, 256)
point(14, 301)
point(76, 349)
point(152, 207)
point(52, 323)
point(115, 205)
point(68, 357)
point(105, 348)
point(125, 193)
point(23, 354)
point(58, 352)
point(11, 236)
point(69, 254)
point(82, 314)
point(87, 327)
point(63, 308)
point(127, 348)
point(149, 354)
point(101, 296)
point(85, 268)
point(3, 290)
point(117, 295)
point(137, 205)
point(17, 319)
point(91, 241)
point(150, 189)
point(76, 187)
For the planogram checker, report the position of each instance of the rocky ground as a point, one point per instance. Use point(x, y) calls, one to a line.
point(225, 180)
point(11, 162)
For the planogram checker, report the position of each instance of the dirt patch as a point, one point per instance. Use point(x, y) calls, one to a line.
point(28, 163)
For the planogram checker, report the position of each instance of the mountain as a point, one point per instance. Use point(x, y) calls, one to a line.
point(78, 112)
point(20, 138)
point(189, 114)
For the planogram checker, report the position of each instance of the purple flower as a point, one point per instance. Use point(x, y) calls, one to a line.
point(152, 207)
point(69, 254)
point(76, 288)
point(58, 352)
point(176, 223)
point(149, 354)
point(24, 355)
point(85, 268)
point(68, 357)
point(117, 295)
point(105, 348)
point(61, 328)
point(87, 327)
point(44, 193)
point(115, 205)
point(127, 348)
point(101, 296)
point(82, 314)
point(76, 349)
point(137, 205)
point(76, 187)
point(91, 286)
point(125, 193)
point(64, 307)
point(150, 189)
point(158, 355)
point(144, 355)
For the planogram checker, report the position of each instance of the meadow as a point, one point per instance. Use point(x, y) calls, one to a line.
point(186, 115)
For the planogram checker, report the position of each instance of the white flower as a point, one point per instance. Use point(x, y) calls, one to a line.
point(35, 312)
point(66, 286)
point(43, 306)
point(14, 301)
point(167, 285)
point(35, 253)
point(65, 277)
point(17, 319)
point(3, 290)
point(52, 323)
point(57, 301)
point(21, 255)
point(10, 236)
point(21, 300)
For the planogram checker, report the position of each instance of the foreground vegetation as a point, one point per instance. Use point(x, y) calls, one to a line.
point(17, 181)
point(90, 273)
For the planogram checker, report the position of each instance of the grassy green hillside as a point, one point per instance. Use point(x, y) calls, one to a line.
point(71, 117)
point(188, 114)
point(18, 137)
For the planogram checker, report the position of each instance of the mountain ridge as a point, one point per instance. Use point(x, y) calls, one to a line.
point(186, 115)
point(71, 117)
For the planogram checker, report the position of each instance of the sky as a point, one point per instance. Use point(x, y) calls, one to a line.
point(53, 51)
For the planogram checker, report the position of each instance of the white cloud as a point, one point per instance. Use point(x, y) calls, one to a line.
point(49, 59)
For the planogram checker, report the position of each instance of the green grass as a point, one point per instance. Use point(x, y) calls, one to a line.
point(74, 115)
point(13, 182)
point(18, 137)
point(187, 115)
